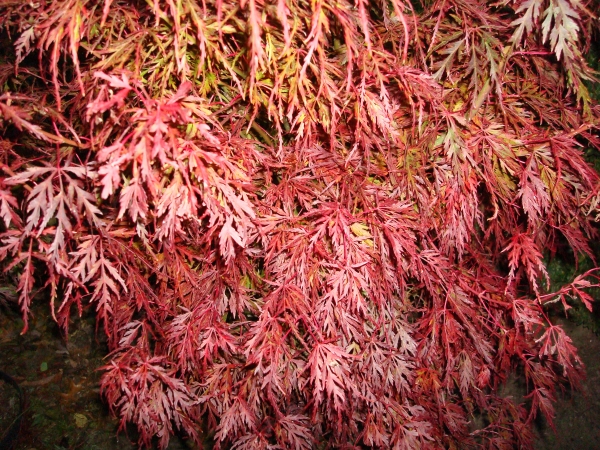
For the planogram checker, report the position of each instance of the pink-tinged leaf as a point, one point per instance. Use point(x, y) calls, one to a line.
point(177, 206)
point(364, 21)
point(182, 92)
point(105, 12)
point(19, 119)
point(204, 131)
point(121, 83)
point(86, 202)
point(28, 175)
point(23, 44)
point(227, 236)
point(41, 200)
point(251, 441)
point(145, 392)
point(8, 204)
point(133, 201)
point(130, 333)
point(296, 433)
point(100, 106)
point(524, 24)
point(466, 374)
point(586, 298)
point(527, 313)
point(112, 153)
point(235, 419)
point(214, 339)
point(555, 343)
point(483, 378)
point(542, 399)
point(26, 284)
point(105, 286)
point(523, 252)
point(63, 228)
point(11, 244)
point(84, 265)
point(579, 283)
point(328, 365)
point(111, 179)
point(534, 195)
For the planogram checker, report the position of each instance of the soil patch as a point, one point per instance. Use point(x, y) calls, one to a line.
point(577, 412)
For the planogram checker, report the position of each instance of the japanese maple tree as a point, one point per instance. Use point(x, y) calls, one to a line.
point(305, 222)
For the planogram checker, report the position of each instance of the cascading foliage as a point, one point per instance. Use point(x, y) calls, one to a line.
point(305, 223)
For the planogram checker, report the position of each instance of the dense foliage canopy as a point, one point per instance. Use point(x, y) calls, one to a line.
point(305, 221)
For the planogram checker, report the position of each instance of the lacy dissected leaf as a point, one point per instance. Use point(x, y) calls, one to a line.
point(146, 393)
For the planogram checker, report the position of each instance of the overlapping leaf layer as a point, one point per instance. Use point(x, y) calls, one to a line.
point(305, 222)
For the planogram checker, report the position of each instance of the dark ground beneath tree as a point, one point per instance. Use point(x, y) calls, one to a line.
point(577, 413)
point(577, 422)
point(64, 410)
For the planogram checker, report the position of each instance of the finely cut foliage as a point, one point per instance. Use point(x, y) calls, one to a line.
point(305, 223)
